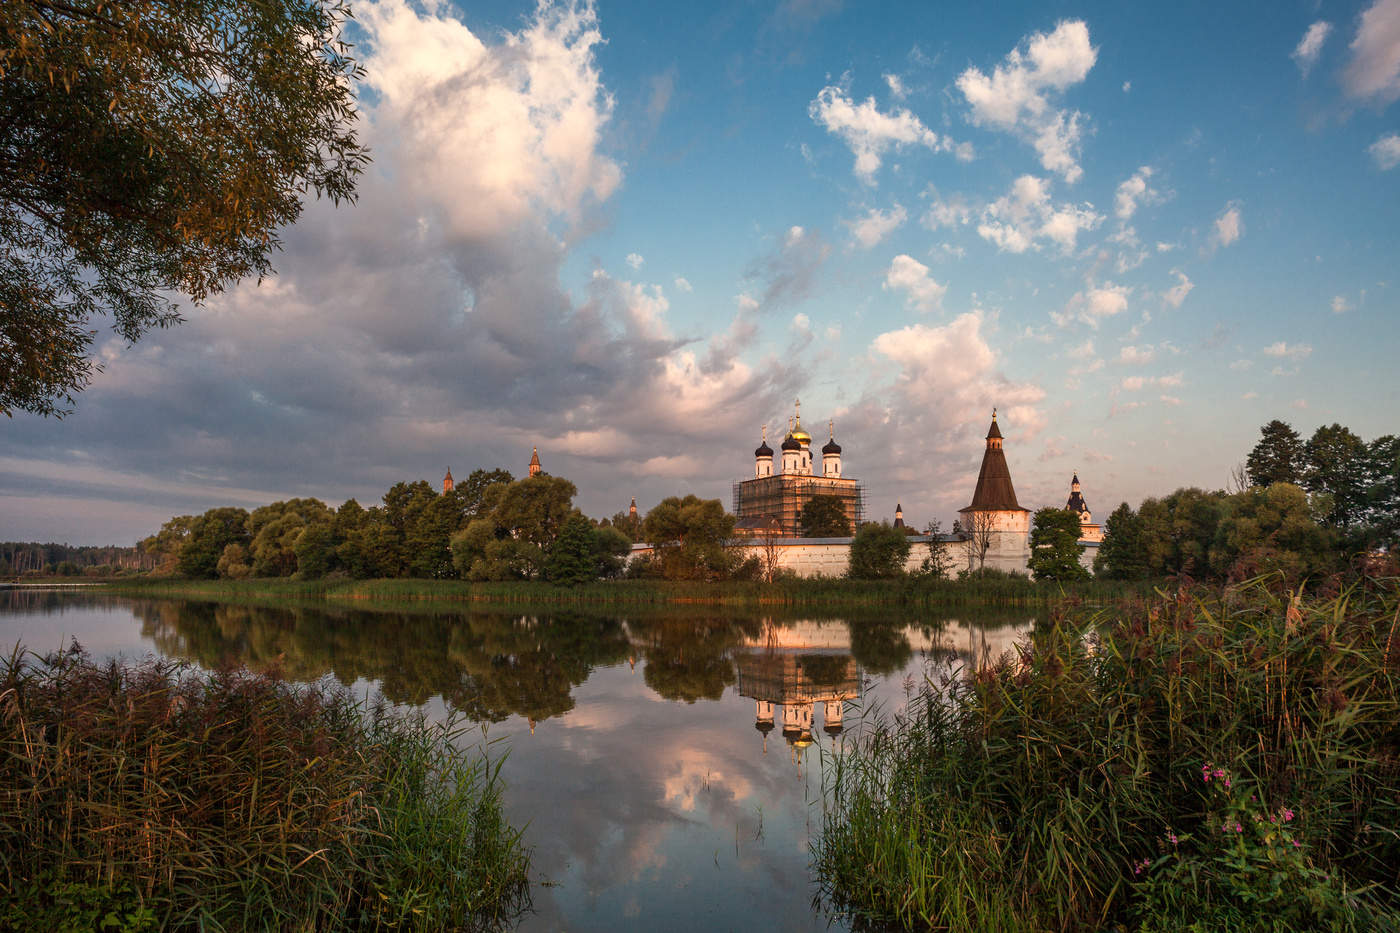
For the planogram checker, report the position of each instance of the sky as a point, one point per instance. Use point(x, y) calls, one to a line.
point(632, 234)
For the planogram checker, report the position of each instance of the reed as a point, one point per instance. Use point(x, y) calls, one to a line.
point(1226, 760)
point(150, 796)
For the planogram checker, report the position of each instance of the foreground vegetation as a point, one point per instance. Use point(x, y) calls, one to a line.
point(150, 797)
point(1223, 761)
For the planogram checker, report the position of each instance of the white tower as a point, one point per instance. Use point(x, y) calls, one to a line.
point(831, 453)
point(763, 457)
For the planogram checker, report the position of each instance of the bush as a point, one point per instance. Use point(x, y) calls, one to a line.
point(878, 552)
point(233, 800)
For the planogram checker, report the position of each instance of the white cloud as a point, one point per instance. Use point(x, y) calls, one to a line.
point(1170, 400)
point(801, 323)
point(683, 284)
point(1310, 46)
point(870, 133)
point(1373, 73)
point(1340, 305)
point(1083, 351)
point(1127, 86)
point(635, 260)
point(896, 86)
point(1016, 96)
point(1132, 193)
point(1025, 214)
point(1175, 295)
point(910, 276)
point(1281, 350)
point(1136, 356)
point(870, 229)
point(1093, 304)
point(1229, 226)
point(1137, 383)
point(1386, 151)
point(953, 213)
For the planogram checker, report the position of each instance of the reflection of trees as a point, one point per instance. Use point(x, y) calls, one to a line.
point(825, 670)
point(880, 647)
point(690, 659)
point(486, 666)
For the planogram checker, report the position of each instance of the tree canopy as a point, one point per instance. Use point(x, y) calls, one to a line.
point(878, 552)
point(1055, 547)
point(1278, 457)
point(824, 517)
point(689, 535)
point(151, 149)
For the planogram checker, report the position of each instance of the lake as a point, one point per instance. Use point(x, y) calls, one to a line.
point(667, 768)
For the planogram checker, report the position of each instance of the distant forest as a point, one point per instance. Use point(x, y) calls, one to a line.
point(30, 557)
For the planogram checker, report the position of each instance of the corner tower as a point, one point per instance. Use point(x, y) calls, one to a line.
point(996, 530)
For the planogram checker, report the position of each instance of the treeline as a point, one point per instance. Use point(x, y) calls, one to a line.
point(18, 558)
point(1306, 508)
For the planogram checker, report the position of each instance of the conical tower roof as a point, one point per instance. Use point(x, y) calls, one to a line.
point(994, 491)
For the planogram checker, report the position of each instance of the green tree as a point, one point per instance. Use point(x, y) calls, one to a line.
point(165, 544)
point(939, 561)
point(878, 552)
point(233, 563)
point(1383, 491)
point(1278, 457)
point(1055, 547)
point(824, 517)
point(1264, 530)
point(689, 537)
point(1123, 553)
point(534, 509)
point(209, 534)
point(611, 549)
point(315, 550)
point(1335, 466)
point(571, 559)
point(275, 529)
point(626, 523)
point(149, 149)
point(472, 490)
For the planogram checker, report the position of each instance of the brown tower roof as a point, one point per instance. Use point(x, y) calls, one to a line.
point(994, 491)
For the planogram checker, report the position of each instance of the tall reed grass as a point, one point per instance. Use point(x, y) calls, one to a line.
point(160, 798)
point(1070, 787)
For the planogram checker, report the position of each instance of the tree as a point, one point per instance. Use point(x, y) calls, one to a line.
point(688, 537)
point(1055, 547)
point(209, 534)
point(1383, 491)
point(1268, 530)
point(824, 517)
point(878, 552)
point(1335, 465)
point(1123, 553)
point(472, 490)
point(939, 562)
point(611, 548)
point(570, 560)
point(626, 523)
point(977, 530)
point(315, 550)
point(152, 148)
point(1278, 457)
point(164, 546)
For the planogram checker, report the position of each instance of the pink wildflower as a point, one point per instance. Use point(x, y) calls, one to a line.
point(1238, 827)
point(1287, 814)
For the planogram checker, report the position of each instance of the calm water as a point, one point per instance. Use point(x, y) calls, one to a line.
point(667, 769)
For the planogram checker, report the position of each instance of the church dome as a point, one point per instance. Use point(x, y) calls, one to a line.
point(801, 436)
point(831, 447)
point(763, 450)
point(791, 442)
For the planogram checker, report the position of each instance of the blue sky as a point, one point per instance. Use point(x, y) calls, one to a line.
point(632, 234)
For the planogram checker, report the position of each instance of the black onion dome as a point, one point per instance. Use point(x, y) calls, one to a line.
point(791, 443)
point(763, 450)
point(831, 447)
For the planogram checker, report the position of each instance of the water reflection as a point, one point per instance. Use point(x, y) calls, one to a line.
point(667, 768)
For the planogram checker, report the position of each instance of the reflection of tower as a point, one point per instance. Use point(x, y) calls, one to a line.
point(764, 721)
point(832, 711)
point(534, 461)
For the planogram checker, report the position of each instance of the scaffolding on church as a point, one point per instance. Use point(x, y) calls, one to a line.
point(777, 501)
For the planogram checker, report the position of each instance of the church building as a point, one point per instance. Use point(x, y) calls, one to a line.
point(772, 502)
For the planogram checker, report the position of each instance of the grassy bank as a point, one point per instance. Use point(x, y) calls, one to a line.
point(149, 797)
point(1224, 761)
point(798, 594)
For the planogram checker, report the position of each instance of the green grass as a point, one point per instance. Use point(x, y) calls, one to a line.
point(151, 797)
point(1064, 789)
point(911, 592)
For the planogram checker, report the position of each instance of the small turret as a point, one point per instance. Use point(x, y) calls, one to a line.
point(632, 509)
point(792, 452)
point(1076, 503)
point(534, 461)
point(831, 453)
point(763, 456)
point(898, 515)
point(447, 482)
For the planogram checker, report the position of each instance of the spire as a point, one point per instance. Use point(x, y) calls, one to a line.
point(994, 491)
point(447, 482)
point(898, 515)
point(632, 509)
point(1076, 501)
point(534, 461)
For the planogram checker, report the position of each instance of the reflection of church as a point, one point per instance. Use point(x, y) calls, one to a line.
point(796, 668)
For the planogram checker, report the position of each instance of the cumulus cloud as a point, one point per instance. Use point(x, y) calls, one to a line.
point(1175, 295)
point(1386, 151)
point(427, 324)
point(910, 276)
point(953, 212)
point(896, 85)
point(1229, 226)
point(1137, 383)
point(1081, 351)
point(1025, 214)
point(635, 260)
point(1340, 305)
point(1283, 350)
point(1016, 96)
point(1136, 356)
point(683, 284)
point(1373, 71)
point(870, 133)
point(1093, 304)
point(872, 227)
point(1310, 46)
point(1132, 193)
